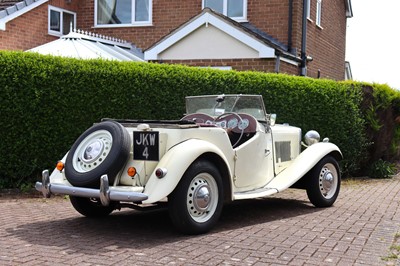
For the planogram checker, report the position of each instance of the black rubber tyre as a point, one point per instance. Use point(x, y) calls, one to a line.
point(324, 182)
point(91, 207)
point(196, 203)
point(102, 149)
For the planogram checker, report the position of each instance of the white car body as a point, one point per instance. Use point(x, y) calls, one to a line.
point(267, 159)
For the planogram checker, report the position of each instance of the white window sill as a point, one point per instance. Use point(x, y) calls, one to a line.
point(319, 27)
point(55, 33)
point(147, 24)
point(240, 19)
point(310, 20)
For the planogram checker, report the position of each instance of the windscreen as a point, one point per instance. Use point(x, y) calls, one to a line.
point(216, 105)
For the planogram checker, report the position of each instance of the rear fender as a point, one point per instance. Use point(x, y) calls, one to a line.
point(176, 161)
point(303, 164)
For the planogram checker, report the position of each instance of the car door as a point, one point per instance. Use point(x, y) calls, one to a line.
point(254, 162)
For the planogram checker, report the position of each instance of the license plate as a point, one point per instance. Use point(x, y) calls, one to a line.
point(146, 146)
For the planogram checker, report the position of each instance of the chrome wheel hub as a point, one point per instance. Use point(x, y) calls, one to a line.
point(328, 181)
point(92, 151)
point(202, 197)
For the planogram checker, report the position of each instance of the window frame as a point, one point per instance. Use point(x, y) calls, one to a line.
point(225, 10)
point(318, 17)
point(133, 23)
point(61, 11)
point(309, 9)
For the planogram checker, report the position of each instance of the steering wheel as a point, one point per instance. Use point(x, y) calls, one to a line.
point(235, 128)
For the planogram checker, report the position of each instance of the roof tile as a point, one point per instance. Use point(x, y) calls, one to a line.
point(7, 3)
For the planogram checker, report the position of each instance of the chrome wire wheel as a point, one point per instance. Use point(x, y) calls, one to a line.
point(202, 197)
point(328, 180)
point(92, 151)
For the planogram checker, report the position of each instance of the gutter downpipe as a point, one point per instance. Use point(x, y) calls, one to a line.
point(303, 65)
point(290, 27)
point(277, 62)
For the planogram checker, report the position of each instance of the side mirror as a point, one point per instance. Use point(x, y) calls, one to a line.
point(272, 120)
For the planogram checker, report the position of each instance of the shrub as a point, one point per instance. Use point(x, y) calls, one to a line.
point(381, 169)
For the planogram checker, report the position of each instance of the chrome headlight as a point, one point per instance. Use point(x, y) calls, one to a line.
point(311, 137)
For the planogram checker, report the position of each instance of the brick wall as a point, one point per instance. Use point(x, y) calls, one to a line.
point(30, 29)
point(26, 31)
point(326, 45)
point(270, 16)
point(167, 15)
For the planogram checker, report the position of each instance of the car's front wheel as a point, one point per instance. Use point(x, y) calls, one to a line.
point(91, 207)
point(196, 203)
point(324, 182)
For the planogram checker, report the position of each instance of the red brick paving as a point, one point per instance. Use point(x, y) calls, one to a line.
point(282, 230)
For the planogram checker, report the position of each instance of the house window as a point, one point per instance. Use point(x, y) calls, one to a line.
point(235, 9)
point(61, 21)
point(319, 13)
point(309, 9)
point(123, 12)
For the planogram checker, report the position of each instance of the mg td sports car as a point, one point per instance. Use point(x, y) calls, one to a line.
point(225, 148)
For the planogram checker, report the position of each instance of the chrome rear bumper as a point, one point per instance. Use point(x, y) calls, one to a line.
point(104, 193)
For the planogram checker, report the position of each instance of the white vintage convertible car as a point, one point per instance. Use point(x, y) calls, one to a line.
point(225, 148)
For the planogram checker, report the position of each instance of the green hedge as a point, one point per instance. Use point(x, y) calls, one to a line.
point(47, 102)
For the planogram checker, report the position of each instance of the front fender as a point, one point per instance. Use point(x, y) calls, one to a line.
point(303, 164)
point(176, 161)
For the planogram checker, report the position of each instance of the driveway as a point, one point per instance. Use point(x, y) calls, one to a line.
point(363, 228)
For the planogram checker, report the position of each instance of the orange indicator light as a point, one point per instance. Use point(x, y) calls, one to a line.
point(60, 166)
point(131, 171)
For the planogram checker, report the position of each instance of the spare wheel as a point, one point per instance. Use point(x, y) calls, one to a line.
point(102, 149)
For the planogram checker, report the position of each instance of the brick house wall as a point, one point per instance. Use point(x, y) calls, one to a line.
point(270, 16)
point(31, 29)
point(167, 15)
point(26, 31)
point(326, 45)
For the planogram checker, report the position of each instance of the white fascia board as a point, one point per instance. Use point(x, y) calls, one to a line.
point(207, 18)
point(18, 13)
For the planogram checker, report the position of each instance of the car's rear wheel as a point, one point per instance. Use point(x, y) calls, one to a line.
point(91, 207)
point(102, 149)
point(196, 203)
point(324, 182)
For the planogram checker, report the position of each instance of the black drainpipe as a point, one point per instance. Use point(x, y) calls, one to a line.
point(277, 62)
point(303, 67)
point(290, 27)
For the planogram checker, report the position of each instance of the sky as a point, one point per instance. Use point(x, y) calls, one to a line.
point(373, 41)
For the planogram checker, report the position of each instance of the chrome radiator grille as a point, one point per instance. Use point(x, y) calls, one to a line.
point(282, 151)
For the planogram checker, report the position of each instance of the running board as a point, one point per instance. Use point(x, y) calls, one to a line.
point(256, 193)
